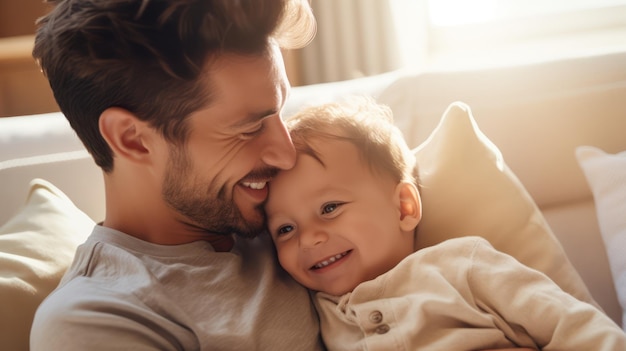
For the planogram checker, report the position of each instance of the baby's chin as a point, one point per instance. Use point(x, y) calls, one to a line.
point(335, 290)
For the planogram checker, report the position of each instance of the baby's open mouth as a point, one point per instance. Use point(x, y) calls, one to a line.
point(330, 260)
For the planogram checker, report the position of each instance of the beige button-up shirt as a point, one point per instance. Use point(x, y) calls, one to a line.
point(463, 295)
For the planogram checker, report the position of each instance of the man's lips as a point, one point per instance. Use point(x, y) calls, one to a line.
point(258, 179)
point(256, 190)
point(330, 260)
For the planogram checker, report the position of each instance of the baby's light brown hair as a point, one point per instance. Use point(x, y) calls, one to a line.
point(364, 123)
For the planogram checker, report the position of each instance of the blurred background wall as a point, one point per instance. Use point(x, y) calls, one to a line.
point(358, 38)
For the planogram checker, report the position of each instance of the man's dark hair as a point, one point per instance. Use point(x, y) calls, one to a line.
point(151, 57)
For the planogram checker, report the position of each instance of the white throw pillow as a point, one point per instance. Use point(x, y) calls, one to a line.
point(73, 172)
point(467, 189)
point(36, 247)
point(606, 175)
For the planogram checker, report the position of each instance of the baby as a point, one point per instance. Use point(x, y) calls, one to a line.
point(343, 223)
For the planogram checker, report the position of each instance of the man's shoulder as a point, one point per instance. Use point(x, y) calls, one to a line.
point(89, 314)
point(98, 262)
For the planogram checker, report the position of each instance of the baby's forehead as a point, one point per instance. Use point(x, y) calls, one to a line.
point(322, 147)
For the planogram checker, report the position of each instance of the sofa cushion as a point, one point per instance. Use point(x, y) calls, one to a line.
point(36, 247)
point(467, 189)
point(24, 136)
point(537, 114)
point(606, 175)
point(73, 172)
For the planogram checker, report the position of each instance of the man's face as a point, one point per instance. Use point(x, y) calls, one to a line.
point(338, 224)
point(218, 178)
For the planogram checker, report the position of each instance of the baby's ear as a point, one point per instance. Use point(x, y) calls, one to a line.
point(410, 205)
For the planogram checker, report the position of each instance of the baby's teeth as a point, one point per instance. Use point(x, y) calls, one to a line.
point(329, 261)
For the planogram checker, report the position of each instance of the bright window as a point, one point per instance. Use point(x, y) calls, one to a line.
point(358, 38)
point(460, 33)
point(458, 12)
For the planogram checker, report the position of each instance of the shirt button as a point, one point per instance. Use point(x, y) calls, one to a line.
point(382, 329)
point(376, 317)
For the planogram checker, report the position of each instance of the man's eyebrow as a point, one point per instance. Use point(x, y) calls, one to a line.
point(254, 117)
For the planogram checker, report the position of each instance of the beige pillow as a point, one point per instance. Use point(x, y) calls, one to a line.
point(467, 189)
point(606, 175)
point(36, 247)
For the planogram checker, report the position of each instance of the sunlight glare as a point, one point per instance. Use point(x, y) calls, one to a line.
point(455, 12)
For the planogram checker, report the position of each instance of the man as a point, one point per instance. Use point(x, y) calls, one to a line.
point(179, 102)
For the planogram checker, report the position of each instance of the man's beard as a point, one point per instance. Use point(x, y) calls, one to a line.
point(207, 207)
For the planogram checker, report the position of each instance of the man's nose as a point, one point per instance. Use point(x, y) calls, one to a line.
point(278, 151)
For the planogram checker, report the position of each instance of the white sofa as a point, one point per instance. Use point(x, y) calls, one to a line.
point(537, 115)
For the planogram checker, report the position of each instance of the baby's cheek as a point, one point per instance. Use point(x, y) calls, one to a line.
point(287, 258)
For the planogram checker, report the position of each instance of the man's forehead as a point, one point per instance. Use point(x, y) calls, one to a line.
point(250, 88)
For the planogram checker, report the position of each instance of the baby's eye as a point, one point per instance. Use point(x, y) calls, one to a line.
point(330, 207)
point(284, 230)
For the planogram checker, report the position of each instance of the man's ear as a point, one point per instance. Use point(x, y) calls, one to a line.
point(126, 134)
point(410, 205)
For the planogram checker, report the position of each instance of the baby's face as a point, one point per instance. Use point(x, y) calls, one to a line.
point(338, 224)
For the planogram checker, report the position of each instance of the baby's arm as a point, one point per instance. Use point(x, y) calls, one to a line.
point(527, 301)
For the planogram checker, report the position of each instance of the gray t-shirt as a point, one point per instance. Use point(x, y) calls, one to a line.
point(122, 293)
